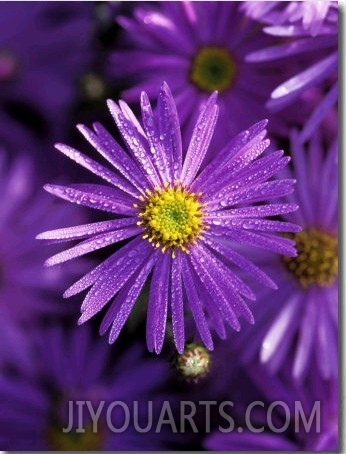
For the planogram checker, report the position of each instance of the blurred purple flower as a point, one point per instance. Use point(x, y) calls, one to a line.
point(303, 318)
point(44, 48)
point(198, 47)
point(26, 291)
point(290, 403)
point(309, 28)
point(71, 366)
point(183, 221)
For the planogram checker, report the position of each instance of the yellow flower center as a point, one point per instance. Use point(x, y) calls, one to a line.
point(213, 68)
point(317, 259)
point(75, 441)
point(171, 217)
point(194, 363)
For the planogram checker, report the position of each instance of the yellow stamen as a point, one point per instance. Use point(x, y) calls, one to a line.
point(212, 69)
point(172, 217)
point(317, 259)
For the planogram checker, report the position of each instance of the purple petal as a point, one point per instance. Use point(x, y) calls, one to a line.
point(93, 244)
point(200, 140)
point(97, 169)
point(105, 144)
point(158, 154)
point(229, 254)
point(125, 263)
point(269, 242)
point(195, 305)
point(79, 232)
point(95, 196)
point(158, 303)
point(126, 299)
point(177, 304)
point(213, 289)
point(135, 142)
point(169, 129)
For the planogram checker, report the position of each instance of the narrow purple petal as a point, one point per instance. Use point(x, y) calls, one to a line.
point(231, 255)
point(200, 140)
point(157, 151)
point(291, 48)
point(230, 284)
point(169, 130)
point(127, 298)
point(213, 289)
point(79, 232)
point(135, 142)
point(269, 242)
point(126, 262)
point(311, 76)
point(256, 193)
point(177, 304)
point(105, 144)
point(195, 304)
point(258, 211)
point(276, 334)
point(95, 196)
point(158, 304)
point(97, 169)
point(93, 244)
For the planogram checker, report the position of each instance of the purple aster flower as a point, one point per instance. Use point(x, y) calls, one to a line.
point(197, 47)
point(182, 221)
point(70, 366)
point(44, 49)
point(309, 29)
point(290, 404)
point(25, 291)
point(303, 318)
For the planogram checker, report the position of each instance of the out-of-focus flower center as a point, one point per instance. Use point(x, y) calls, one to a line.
point(194, 362)
point(8, 66)
point(74, 441)
point(317, 259)
point(171, 217)
point(93, 87)
point(213, 68)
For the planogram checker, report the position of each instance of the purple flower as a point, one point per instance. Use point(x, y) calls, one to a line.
point(25, 291)
point(182, 221)
point(316, 399)
point(44, 49)
point(197, 47)
point(70, 366)
point(303, 318)
point(310, 30)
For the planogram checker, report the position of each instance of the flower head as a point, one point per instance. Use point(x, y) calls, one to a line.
point(303, 318)
point(70, 366)
point(182, 221)
point(198, 47)
point(43, 51)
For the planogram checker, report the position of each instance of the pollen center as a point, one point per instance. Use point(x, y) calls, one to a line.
point(317, 259)
point(172, 217)
point(213, 68)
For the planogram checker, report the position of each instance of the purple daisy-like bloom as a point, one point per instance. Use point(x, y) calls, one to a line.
point(290, 404)
point(44, 49)
point(303, 318)
point(25, 291)
point(309, 29)
point(183, 220)
point(70, 366)
point(197, 47)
